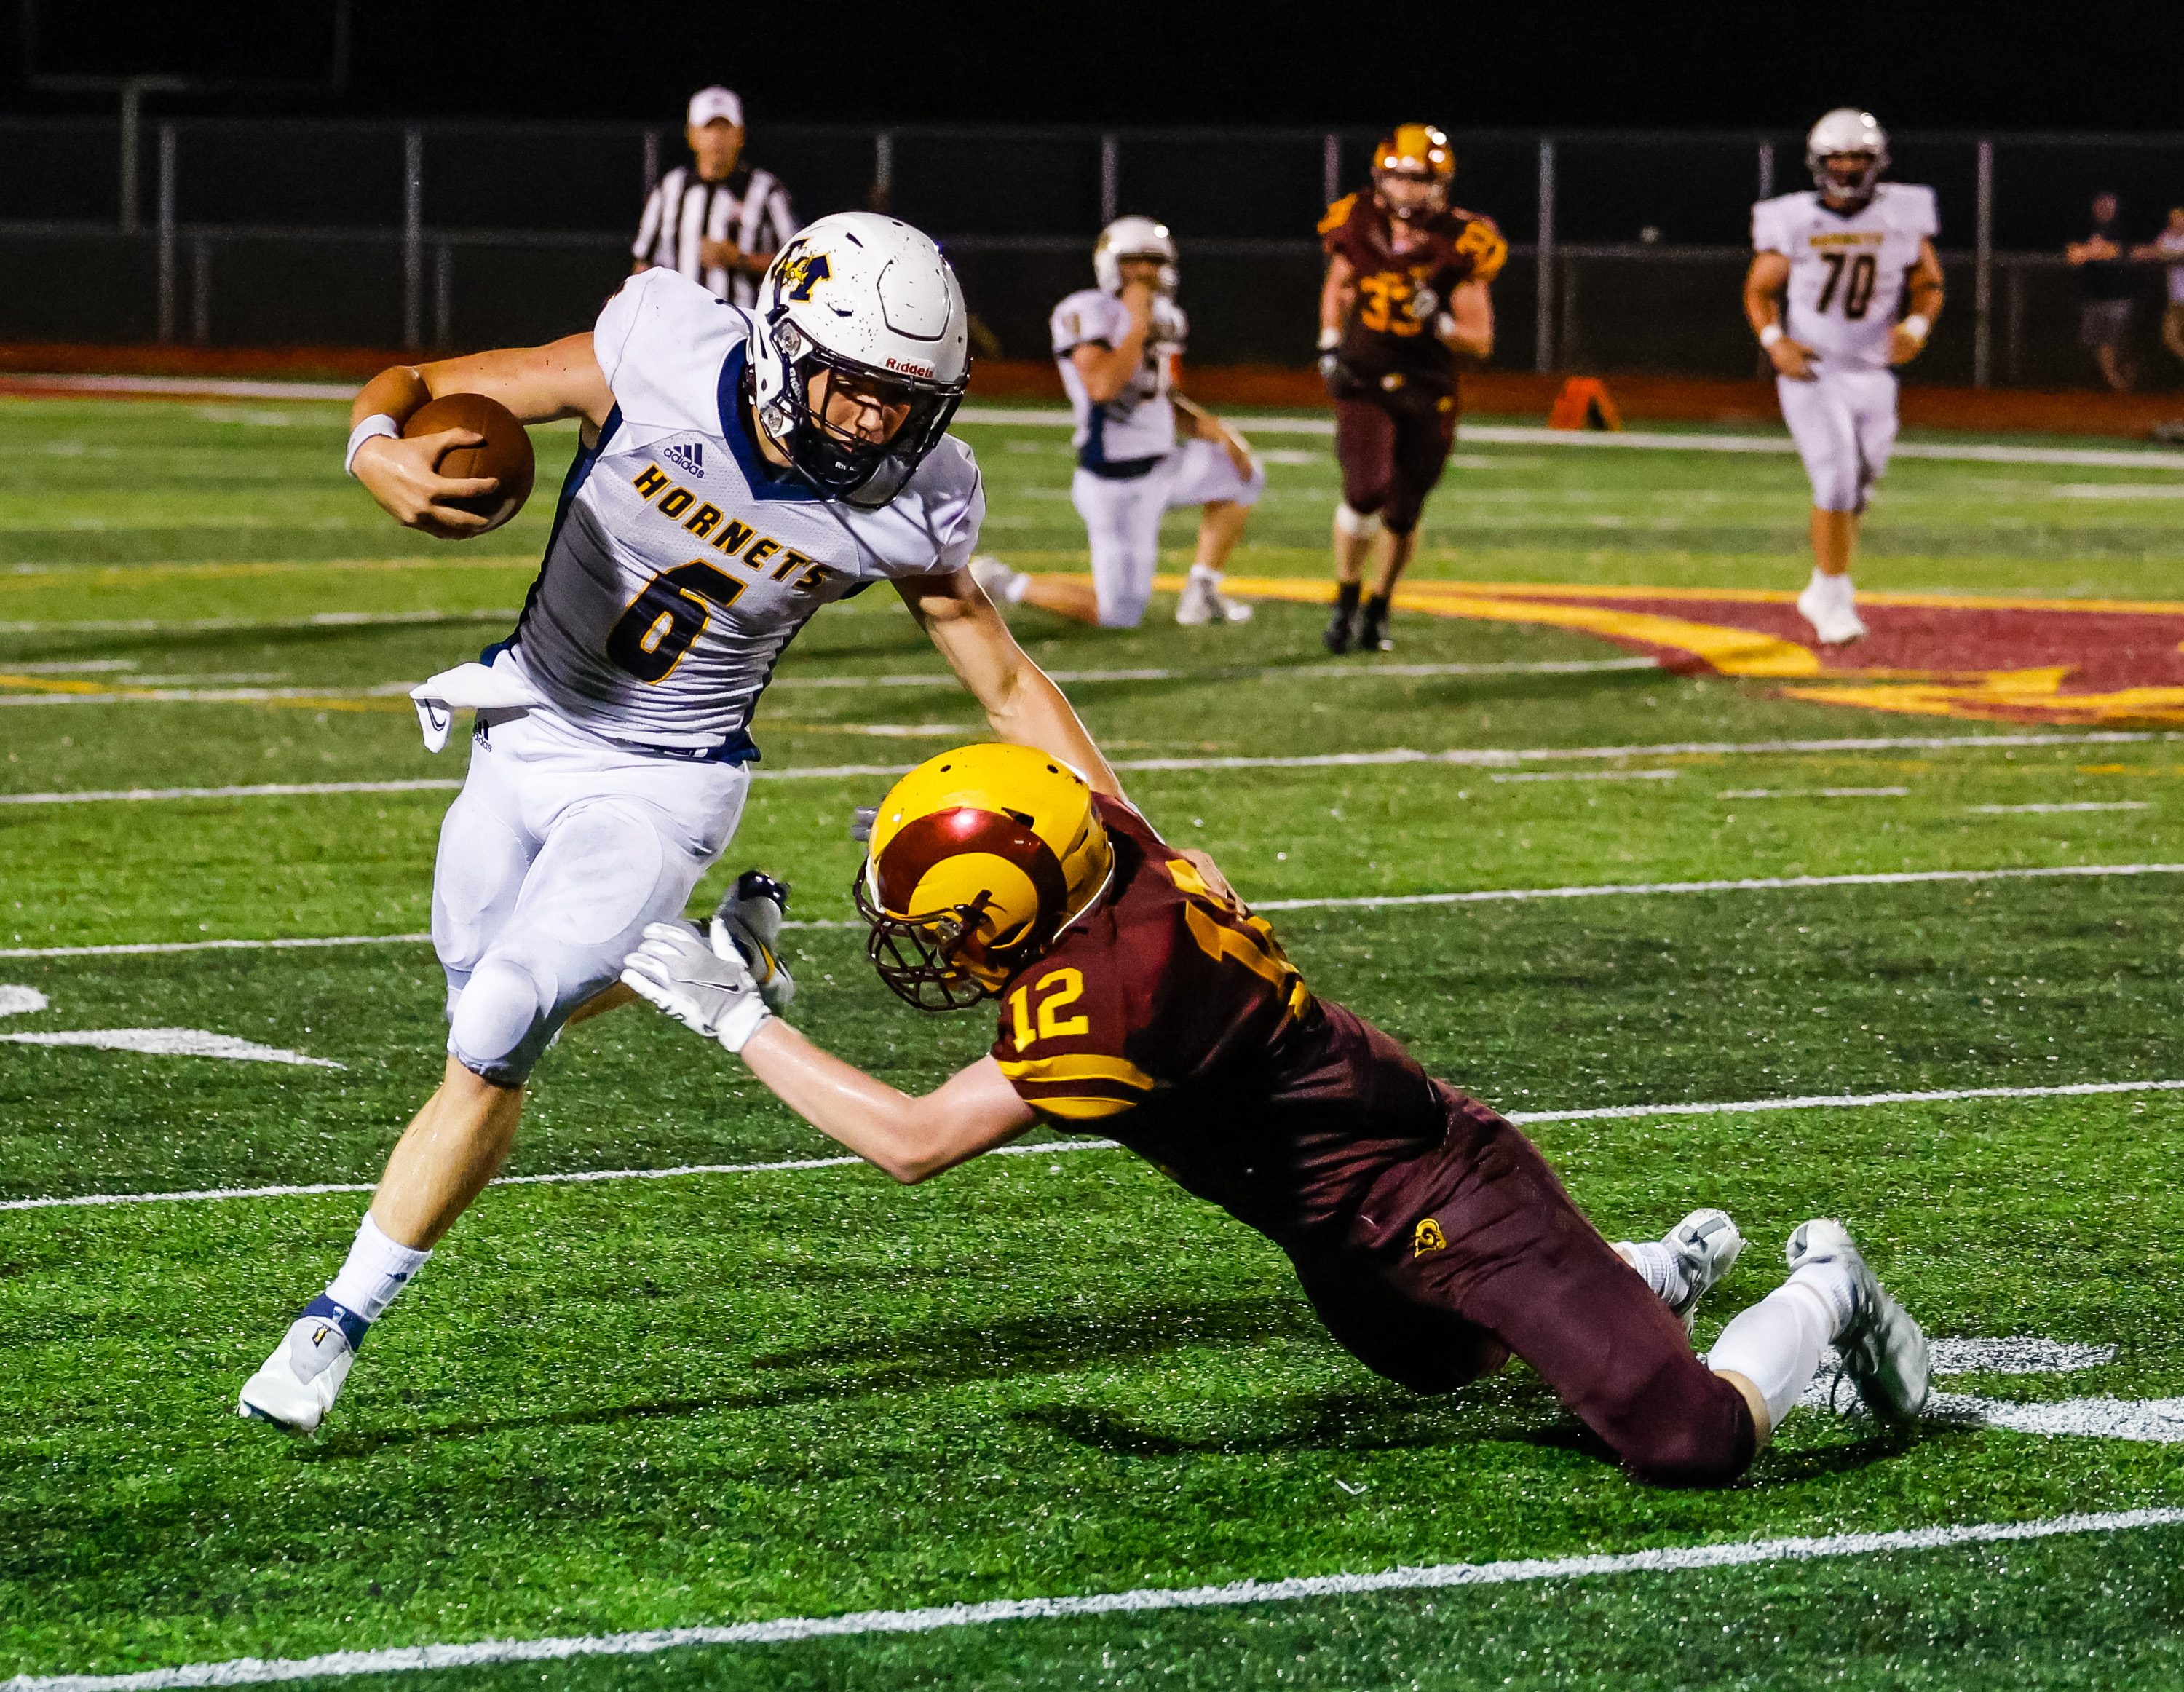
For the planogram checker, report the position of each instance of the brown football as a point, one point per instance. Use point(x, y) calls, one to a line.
point(505, 456)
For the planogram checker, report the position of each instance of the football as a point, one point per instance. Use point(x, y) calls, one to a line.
point(505, 455)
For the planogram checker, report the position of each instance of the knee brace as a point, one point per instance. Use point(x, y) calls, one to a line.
point(1356, 524)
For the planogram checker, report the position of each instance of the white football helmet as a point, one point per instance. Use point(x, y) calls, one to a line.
point(861, 295)
point(1846, 129)
point(1133, 238)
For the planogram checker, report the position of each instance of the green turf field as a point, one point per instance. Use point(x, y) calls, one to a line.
point(724, 1398)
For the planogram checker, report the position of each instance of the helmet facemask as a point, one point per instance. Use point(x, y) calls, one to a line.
point(935, 961)
point(836, 461)
point(1857, 188)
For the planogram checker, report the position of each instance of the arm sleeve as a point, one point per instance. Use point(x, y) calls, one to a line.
point(1482, 244)
point(1331, 224)
point(1766, 228)
point(1072, 1070)
point(961, 517)
point(1088, 318)
point(647, 229)
point(1925, 209)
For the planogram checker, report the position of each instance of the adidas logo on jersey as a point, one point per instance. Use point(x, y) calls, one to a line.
point(689, 457)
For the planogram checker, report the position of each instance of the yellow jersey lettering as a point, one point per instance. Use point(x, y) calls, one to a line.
point(813, 579)
point(732, 538)
point(1020, 1013)
point(760, 551)
point(702, 520)
point(675, 502)
point(791, 562)
point(649, 480)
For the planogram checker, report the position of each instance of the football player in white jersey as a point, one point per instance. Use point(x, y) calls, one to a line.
point(1850, 255)
point(739, 470)
point(1120, 347)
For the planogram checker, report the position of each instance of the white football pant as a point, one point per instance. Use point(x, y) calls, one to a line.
point(1123, 520)
point(560, 848)
point(1844, 424)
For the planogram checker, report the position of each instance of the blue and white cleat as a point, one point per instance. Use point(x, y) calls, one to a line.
point(1705, 1243)
point(302, 1378)
point(1883, 1351)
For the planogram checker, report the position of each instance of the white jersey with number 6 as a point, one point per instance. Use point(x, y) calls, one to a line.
point(681, 563)
point(1847, 269)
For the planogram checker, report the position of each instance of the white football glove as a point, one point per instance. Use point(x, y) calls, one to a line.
point(707, 992)
point(748, 922)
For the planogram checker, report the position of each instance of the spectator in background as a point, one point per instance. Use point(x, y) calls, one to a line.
point(2104, 288)
point(719, 222)
point(2168, 248)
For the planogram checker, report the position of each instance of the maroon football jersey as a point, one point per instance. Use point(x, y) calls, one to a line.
point(1173, 1023)
point(1405, 273)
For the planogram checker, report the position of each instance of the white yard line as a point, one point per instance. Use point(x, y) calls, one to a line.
point(209, 624)
point(1588, 776)
point(250, 791)
point(1754, 884)
point(187, 387)
point(792, 1629)
point(1523, 1118)
point(172, 1043)
point(1518, 435)
point(1489, 757)
point(1815, 792)
point(1487, 895)
point(2050, 810)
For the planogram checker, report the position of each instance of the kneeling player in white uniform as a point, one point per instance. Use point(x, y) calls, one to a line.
point(739, 469)
point(1120, 346)
point(1848, 253)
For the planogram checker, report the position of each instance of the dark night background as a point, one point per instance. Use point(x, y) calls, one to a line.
point(2084, 67)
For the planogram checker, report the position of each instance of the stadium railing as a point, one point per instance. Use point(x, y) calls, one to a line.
point(231, 232)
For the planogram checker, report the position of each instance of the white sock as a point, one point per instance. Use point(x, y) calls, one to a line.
point(376, 1269)
point(1019, 581)
point(1776, 1343)
point(1206, 573)
point(1661, 1268)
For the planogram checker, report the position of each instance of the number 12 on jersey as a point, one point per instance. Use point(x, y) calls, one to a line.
point(1068, 987)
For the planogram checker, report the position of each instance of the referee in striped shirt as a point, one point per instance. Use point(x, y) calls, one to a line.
point(721, 222)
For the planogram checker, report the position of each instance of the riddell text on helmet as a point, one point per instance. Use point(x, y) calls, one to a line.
point(909, 368)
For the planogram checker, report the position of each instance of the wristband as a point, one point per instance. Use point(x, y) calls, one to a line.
point(379, 423)
point(1329, 339)
point(1918, 326)
point(1770, 335)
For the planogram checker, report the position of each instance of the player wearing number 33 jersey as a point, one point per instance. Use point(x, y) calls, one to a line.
point(739, 470)
point(1845, 257)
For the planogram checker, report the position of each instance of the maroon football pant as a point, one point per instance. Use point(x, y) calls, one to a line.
point(1392, 449)
point(1474, 1251)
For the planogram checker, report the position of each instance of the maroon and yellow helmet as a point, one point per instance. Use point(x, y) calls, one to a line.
point(979, 858)
point(1420, 151)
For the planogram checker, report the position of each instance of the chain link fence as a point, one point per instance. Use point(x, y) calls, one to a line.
point(1627, 249)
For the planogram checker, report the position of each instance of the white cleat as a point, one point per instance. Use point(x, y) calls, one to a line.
point(1883, 1351)
point(1707, 1244)
point(1832, 611)
point(1204, 602)
point(995, 580)
point(302, 1378)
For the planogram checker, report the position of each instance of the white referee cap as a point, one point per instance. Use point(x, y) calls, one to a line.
point(708, 104)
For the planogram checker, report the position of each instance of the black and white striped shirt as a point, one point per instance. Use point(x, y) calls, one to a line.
point(750, 207)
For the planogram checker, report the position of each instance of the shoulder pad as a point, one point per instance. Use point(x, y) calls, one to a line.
point(1338, 214)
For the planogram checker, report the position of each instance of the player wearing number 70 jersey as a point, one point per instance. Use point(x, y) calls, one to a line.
point(1850, 254)
point(739, 470)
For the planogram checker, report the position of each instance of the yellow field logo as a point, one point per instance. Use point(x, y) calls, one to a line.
point(1427, 1237)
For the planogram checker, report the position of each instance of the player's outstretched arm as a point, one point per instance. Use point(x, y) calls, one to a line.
point(1925, 291)
point(538, 384)
point(1024, 707)
point(911, 1138)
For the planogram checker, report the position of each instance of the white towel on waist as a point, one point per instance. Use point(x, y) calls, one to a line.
point(466, 687)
